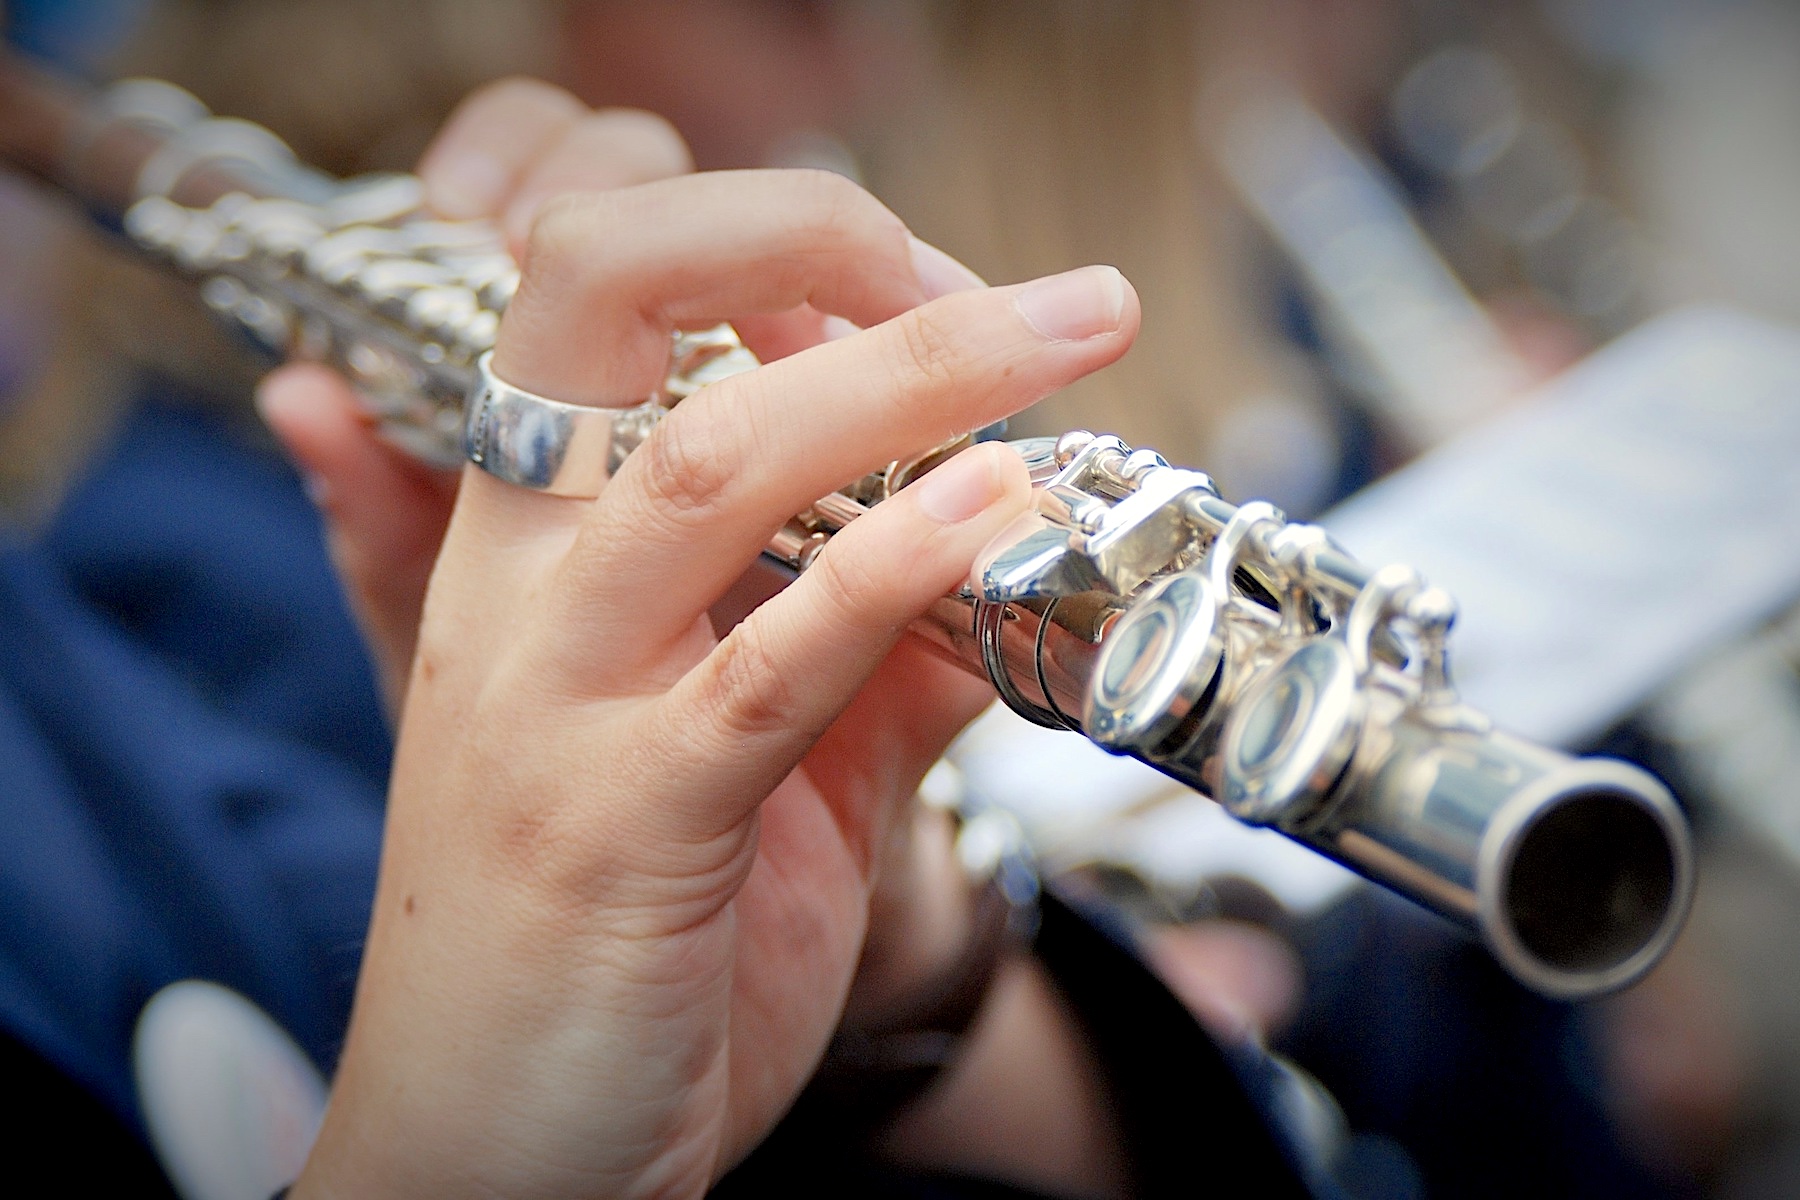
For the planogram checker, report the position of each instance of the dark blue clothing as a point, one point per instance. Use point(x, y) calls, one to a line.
point(1465, 1085)
point(192, 752)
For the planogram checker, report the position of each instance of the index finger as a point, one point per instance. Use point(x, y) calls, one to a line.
point(700, 498)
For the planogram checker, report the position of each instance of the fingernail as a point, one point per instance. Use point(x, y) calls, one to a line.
point(939, 274)
point(466, 185)
point(960, 488)
point(835, 327)
point(1076, 304)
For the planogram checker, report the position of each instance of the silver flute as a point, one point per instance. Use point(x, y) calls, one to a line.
point(1246, 656)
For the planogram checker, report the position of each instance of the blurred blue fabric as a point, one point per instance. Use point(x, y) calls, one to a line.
point(192, 752)
point(1452, 1072)
point(76, 35)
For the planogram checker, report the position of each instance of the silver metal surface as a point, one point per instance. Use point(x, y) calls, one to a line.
point(990, 631)
point(1252, 659)
point(1291, 735)
point(1156, 664)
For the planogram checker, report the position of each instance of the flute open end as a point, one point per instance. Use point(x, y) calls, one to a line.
point(1576, 873)
point(1589, 886)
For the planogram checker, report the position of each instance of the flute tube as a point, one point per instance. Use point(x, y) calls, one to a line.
point(1576, 873)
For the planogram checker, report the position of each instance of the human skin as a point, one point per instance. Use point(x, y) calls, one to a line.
point(629, 864)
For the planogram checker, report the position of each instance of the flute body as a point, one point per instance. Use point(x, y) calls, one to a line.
point(1250, 658)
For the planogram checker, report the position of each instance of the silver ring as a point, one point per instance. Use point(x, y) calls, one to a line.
point(547, 445)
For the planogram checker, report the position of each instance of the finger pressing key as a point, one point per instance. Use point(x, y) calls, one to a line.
point(701, 497)
point(770, 689)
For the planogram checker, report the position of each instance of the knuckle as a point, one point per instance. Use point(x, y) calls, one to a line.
point(841, 207)
point(852, 580)
point(565, 250)
point(928, 350)
point(533, 839)
point(685, 471)
point(562, 229)
point(541, 834)
point(750, 695)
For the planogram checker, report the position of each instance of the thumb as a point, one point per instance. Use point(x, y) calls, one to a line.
point(384, 512)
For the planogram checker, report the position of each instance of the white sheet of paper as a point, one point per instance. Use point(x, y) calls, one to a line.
point(1641, 510)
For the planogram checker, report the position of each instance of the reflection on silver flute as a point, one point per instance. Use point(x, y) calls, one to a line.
point(1247, 657)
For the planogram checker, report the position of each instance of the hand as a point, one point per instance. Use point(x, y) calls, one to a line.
point(628, 864)
point(506, 150)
